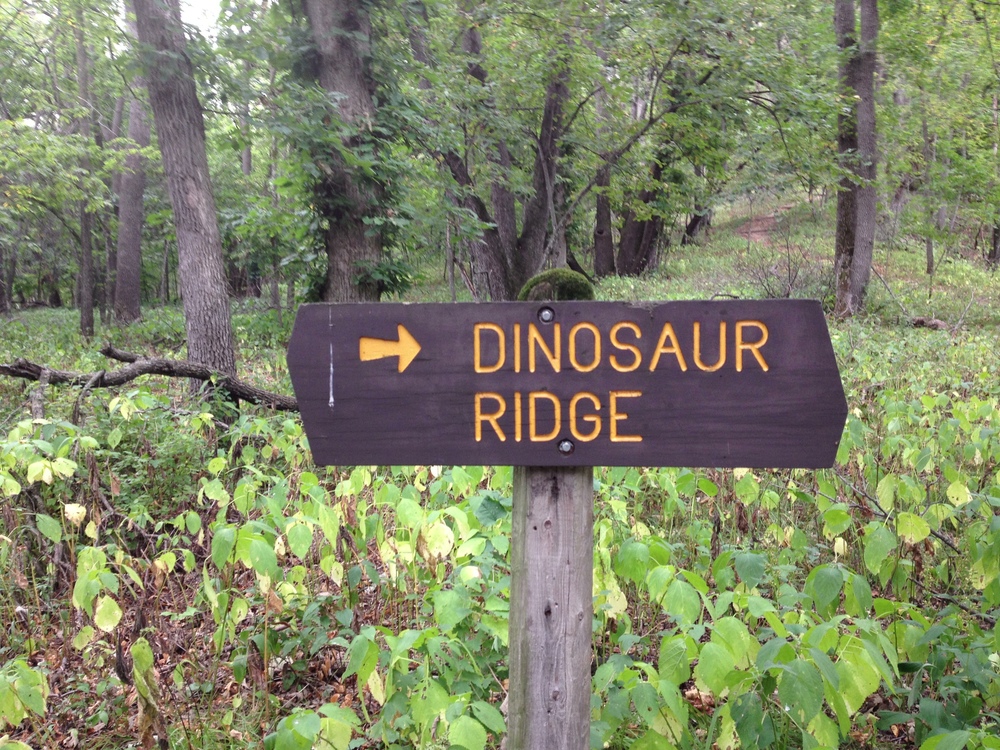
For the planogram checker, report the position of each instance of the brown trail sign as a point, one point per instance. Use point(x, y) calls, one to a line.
point(723, 384)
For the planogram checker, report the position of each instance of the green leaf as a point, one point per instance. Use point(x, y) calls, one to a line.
point(959, 494)
point(107, 614)
point(632, 561)
point(682, 603)
point(490, 717)
point(886, 491)
point(85, 636)
point(223, 541)
point(49, 527)
point(142, 656)
point(879, 542)
point(449, 609)
point(466, 732)
point(912, 528)
point(300, 537)
point(748, 716)
point(431, 704)
point(800, 689)
point(823, 585)
point(263, 559)
point(750, 567)
point(715, 662)
point(674, 665)
point(955, 740)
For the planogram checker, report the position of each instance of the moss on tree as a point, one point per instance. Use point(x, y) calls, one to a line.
point(557, 284)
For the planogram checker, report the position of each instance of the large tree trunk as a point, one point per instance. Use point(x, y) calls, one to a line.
point(341, 30)
point(4, 291)
point(128, 275)
point(86, 277)
point(132, 185)
point(181, 131)
point(856, 140)
point(637, 244)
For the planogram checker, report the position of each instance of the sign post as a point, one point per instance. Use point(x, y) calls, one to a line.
point(565, 386)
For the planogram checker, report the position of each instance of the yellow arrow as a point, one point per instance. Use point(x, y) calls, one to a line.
point(406, 348)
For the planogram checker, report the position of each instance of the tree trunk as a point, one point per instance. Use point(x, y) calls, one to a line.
point(604, 242)
point(341, 30)
point(856, 141)
point(132, 185)
point(181, 132)
point(128, 275)
point(867, 205)
point(4, 291)
point(86, 277)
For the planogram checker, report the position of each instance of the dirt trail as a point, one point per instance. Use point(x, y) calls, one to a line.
point(759, 228)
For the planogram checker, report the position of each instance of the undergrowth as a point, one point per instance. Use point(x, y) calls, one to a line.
point(171, 570)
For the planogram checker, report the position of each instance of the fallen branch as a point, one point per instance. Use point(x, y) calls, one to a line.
point(137, 366)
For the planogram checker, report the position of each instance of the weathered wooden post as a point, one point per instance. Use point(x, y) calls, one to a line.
point(551, 608)
point(551, 584)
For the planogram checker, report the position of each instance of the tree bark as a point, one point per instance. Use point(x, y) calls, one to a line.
point(132, 185)
point(856, 141)
point(128, 274)
point(86, 277)
point(4, 291)
point(181, 131)
point(341, 30)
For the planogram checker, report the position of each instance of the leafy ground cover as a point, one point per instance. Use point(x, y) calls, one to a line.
point(174, 573)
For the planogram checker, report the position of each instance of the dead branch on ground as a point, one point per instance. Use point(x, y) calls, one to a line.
point(137, 366)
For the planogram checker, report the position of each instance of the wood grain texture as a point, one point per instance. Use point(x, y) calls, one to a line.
point(367, 412)
point(551, 608)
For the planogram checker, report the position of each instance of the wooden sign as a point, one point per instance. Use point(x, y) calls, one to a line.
point(721, 383)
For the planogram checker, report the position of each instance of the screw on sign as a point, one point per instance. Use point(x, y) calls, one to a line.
point(561, 387)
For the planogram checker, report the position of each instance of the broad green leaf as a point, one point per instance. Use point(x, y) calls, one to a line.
point(489, 716)
point(652, 740)
point(107, 614)
point(431, 704)
point(733, 634)
point(467, 733)
point(879, 542)
point(85, 636)
point(954, 740)
point(263, 560)
point(959, 494)
point(859, 677)
point(747, 489)
point(300, 537)
point(142, 655)
point(435, 542)
point(715, 662)
point(800, 689)
point(223, 541)
point(682, 602)
point(886, 491)
point(912, 528)
point(632, 561)
point(674, 665)
point(823, 585)
point(750, 567)
point(49, 527)
point(334, 734)
point(450, 608)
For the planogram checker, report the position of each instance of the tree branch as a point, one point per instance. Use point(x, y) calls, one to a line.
point(137, 366)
